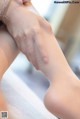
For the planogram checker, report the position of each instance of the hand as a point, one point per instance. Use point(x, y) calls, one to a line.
point(34, 37)
point(29, 30)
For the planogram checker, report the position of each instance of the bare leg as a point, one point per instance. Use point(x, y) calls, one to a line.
point(63, 95)
point(8, 51)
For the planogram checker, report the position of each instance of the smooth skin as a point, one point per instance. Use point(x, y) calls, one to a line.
point(8, 52)
point(6, 42)
point(40, 46)
point(24, 26)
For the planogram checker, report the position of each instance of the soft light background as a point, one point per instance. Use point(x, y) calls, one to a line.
point(65, 22)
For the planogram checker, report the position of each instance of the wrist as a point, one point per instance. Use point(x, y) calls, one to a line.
point(10, 11)
point(4, 4)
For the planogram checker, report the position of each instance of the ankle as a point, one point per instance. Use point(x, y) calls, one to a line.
point(60, 92)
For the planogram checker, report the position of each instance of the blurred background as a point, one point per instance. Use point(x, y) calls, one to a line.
point(65, 22)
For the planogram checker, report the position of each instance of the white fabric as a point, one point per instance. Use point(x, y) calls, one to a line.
point(22, 102)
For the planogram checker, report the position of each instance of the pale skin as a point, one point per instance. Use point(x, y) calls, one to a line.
point(8, 52)
point(42, 49)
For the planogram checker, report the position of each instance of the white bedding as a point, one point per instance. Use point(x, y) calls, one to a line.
point(22, 102)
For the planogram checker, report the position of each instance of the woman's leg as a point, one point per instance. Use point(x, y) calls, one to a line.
point(8, 51)
point(63, 95)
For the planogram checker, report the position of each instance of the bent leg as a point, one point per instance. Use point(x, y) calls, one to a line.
point(8, 51)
